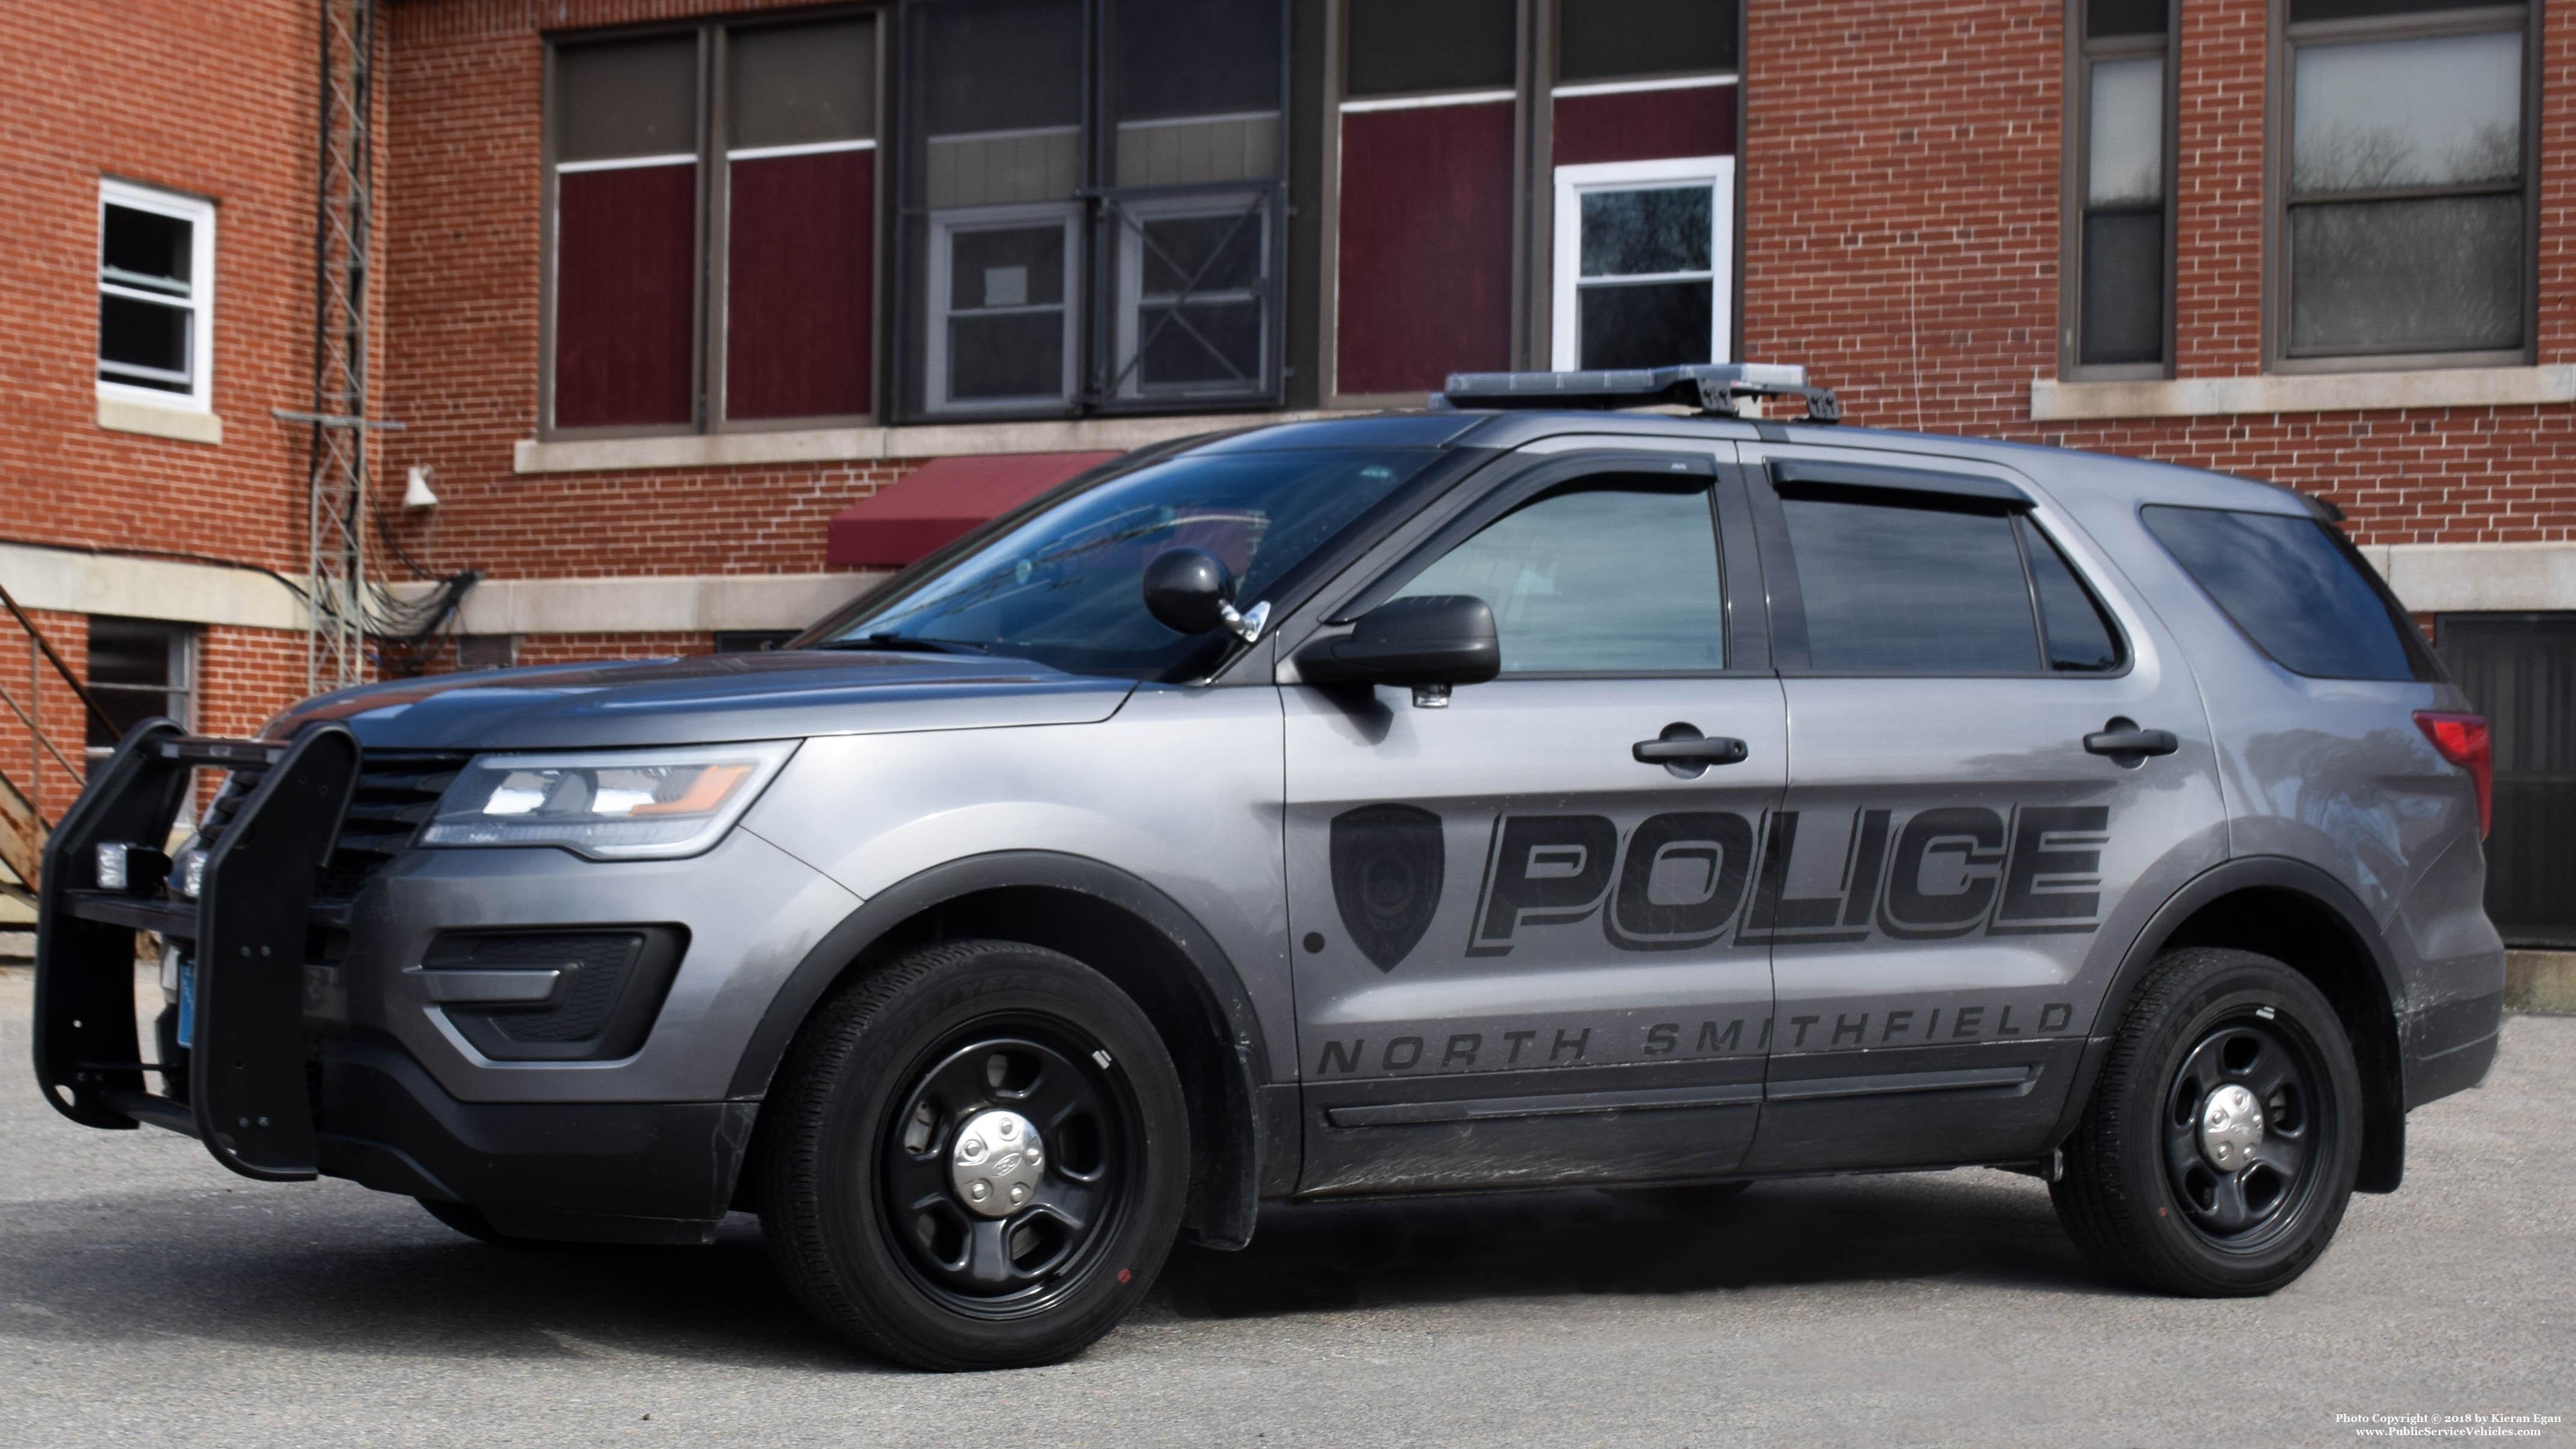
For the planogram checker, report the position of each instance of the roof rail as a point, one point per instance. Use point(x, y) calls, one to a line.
point(1712, 387)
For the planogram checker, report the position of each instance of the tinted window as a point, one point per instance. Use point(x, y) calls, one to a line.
point(2080, 636)
point(2296, 589)
point(1616, 576)
point(1066, 587)
point(1608, 39)
point(1905, 588)
point(1398, 46)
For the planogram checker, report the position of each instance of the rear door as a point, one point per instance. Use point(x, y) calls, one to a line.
point(1954, 872)
point(1514, 959)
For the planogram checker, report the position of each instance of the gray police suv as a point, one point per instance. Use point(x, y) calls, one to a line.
point(1522, 793)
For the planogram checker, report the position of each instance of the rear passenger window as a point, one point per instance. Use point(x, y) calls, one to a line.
point(2298, 590)
point(2080, 637)
point(1616, 576)
point(1893, 584)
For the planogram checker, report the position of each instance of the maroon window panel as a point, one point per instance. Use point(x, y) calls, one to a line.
point(802, 250)
point(1645, 125)
point(1426, 246)
point(625, 292)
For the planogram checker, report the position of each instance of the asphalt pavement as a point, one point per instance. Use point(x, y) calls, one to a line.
point(148, 1296)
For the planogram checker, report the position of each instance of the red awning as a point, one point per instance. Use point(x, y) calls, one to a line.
point(942, 499)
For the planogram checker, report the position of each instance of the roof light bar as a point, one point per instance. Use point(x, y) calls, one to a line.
point(1712, 387)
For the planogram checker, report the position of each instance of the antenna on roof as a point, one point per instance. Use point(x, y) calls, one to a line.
point(1712, 387)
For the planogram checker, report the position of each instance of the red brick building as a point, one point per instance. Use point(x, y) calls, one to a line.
point(661, 288)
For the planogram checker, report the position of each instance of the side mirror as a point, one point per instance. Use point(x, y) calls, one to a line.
point(1187, 590)
point(1435, 639)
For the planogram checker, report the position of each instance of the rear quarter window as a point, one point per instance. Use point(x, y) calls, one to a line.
point(2298, 589)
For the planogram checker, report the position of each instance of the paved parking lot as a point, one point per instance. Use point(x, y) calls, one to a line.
point(148, 1296)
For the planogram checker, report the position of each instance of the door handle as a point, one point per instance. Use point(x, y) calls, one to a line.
point(2123, 737)
point(1690, 749)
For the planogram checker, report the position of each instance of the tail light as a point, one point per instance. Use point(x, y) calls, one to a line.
point(2462, 740)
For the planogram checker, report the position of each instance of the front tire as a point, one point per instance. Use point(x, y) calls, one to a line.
point(2219, 1149)
point(974, 1158)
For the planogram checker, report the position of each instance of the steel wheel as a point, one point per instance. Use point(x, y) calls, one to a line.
point(2241, 1126)
point(1003, 1165)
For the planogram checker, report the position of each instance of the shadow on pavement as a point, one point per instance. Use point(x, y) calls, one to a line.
point(270, 1273)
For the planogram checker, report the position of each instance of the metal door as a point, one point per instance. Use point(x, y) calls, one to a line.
point(2520, 670)
point(1513, 952)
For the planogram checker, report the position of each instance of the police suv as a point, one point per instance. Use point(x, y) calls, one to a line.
point(1522, 793)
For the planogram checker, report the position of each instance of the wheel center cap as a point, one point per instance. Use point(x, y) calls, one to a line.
point(997, 1164)
point(2231, 1127)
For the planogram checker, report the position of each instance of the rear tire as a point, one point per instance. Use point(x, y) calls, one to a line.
point(2219, 1149)
point(992, 1067)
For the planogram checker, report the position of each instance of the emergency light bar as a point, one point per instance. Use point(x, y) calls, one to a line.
point(1712, 387)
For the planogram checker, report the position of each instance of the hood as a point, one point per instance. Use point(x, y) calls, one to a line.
point(709, 699)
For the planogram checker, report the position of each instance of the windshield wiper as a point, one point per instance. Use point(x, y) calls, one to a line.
point(906, 644)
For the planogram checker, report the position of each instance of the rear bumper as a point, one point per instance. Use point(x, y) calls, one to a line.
point(627, 1172)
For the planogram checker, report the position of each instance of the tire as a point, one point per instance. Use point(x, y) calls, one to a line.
point(878, 1127)
point(2155, 1191)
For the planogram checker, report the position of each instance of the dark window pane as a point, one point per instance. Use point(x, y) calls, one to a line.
point(1626, 233)
point(1908, 590)
point(2125, 17)
point(137, 334)
point(1019, 266)
point(2080, 637)
point(1398, 46)
point(1195, 57)
point(793, 84)
point(146, 249)
point(1000, 65)
point(1199, 343)
point(2124, 287)
point(1202, 253)
point(627, 98)
point(1561, 576)
point(2439, 110)
point(1609, 39)
point(2297, 590)
point(133, 675)
point(2407, 276)
point(2303, 10)
point(1013, 354)
point(1653, 324)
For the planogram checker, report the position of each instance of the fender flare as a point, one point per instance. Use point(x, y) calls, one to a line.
point(1258, 1114)
point(2383, 1155)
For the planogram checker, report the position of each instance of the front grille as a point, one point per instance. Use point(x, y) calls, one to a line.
point(397, 792)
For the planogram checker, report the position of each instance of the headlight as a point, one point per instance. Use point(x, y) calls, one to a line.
point(609, 804)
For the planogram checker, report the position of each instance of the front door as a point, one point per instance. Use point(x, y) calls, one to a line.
point(1964, 851)
point(1513, 953)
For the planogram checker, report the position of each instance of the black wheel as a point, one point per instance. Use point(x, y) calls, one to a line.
point(974, 1158)
point(2219, 1149)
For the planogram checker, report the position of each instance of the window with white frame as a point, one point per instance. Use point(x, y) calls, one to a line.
point(1643, 262)
point(1001, 280)
point(156, 289)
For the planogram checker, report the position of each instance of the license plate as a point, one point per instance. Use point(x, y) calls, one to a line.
point(188, 1004)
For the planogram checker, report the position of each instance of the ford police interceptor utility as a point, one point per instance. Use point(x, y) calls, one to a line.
point(1516, 794)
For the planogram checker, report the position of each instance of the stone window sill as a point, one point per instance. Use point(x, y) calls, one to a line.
point(2339, 392)
point(838, 445)
point(186, 424)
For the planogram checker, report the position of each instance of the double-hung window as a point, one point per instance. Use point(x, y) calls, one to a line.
point(156, 289)
point(1092, 205)
point(138, 668)
point(2402, 165)
point(712, 227)
point(2120, 234)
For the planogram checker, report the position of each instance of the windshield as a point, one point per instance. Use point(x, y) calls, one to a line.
point(1066, 588)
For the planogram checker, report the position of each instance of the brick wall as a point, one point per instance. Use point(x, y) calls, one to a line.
point(1901, 239)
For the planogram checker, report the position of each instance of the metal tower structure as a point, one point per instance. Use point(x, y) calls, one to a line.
point(336, 476)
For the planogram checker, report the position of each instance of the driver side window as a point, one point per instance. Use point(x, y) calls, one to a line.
point(1606, 576)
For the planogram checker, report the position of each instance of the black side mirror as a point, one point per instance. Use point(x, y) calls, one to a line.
point(1187, 590)
point(1435, 639)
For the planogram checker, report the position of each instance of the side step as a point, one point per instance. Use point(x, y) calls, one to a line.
point(247, 1098)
